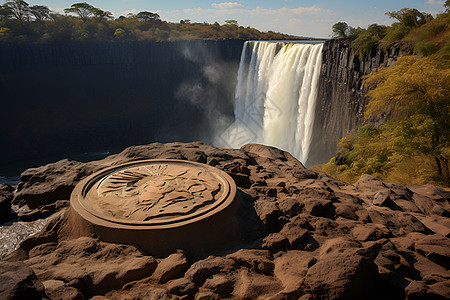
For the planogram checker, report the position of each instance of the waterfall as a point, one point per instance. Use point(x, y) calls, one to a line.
point(276, 96)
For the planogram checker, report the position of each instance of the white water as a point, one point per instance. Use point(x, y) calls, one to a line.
point(276, 97)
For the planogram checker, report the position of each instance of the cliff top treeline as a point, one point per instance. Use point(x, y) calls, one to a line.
point(20, 22)
point(427, 34)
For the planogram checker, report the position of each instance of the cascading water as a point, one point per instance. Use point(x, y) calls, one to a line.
point(276, 96)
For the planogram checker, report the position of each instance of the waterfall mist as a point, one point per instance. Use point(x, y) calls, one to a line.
point(276, 97)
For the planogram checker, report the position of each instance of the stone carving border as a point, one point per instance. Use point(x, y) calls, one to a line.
point(78, 197)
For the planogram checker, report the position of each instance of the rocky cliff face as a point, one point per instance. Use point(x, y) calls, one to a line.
point(342, 96)
point(73, 98)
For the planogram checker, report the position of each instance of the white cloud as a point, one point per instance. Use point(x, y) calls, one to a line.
point(131, 11)
point(57, 10)
point(226, 5)
point(432, 2)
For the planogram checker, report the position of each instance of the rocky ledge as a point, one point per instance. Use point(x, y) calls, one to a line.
point(305, 236)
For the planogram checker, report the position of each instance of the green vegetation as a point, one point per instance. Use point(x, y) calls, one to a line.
point(20, 22)
point(419, 28)
point(413, 97)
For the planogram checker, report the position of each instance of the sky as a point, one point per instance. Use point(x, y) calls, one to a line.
point(310, 18)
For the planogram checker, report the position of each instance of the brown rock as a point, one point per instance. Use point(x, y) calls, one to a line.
point(296, 235)
point(338, 245)
point(220, 284)
point(181, 287)
point(269, 213)
point(275, 242)
point(291, 207)
point(437, 224)
point(419, 290)
point(206, 295)
point(58, 290)
point(18, 281)
point(431, 200)
point(291, 268)
point(46, 184)
point(251, 286)
point(370, 232)
point(398, 222)
point(347, 211)
point(170, 267)
point(381, 199)
point(342, 273)
point(317, 202)
point(92, 264)
point(202, 269)
point(338, 227)
point(436, 248)
point(258, 260)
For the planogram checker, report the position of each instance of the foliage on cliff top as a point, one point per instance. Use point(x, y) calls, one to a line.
point(413, 147)
point(20, 22)
point(426, 34)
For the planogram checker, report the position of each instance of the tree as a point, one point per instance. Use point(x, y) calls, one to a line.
point(147, 16)
point(120, 33)
point(231, 22)
point(101, 15)
point(447, 5)
point(340, 30)
point(40, 12)
point(83, 10)
point(4, 13)
point(19, 9)
point(410, 17)
point(420, 88)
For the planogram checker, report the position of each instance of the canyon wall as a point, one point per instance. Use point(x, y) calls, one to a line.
point(342, 96)
point(64, 99)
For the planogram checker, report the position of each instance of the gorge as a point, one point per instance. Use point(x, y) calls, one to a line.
point(94, 98)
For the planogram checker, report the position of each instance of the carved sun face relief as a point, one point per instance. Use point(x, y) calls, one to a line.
point(156, 192)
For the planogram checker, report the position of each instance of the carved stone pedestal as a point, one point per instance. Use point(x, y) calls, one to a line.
point(159, 206)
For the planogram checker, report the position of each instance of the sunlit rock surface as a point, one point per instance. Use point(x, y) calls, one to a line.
point(304, 234)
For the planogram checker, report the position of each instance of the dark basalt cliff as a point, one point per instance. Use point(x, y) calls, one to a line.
point(342, 96)
point(64, 99)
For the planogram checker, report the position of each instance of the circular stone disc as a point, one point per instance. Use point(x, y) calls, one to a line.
point(152, 193)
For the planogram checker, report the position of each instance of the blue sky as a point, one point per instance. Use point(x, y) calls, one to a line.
point(298, 17)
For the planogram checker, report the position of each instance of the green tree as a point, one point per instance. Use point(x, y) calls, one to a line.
point(232, 22)
point(4, 13)
point(101, 15)
point(340, 29)
point(410, 17)
point(147, 16)
point(4, 33)
point(447, 5)
point(83, 10)
point(19, 9)
point(420, 88)
point(40, 12)
point(120, 34)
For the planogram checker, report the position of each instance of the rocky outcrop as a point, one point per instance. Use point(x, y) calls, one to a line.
point(341, 95)
point(18, 281)
point(305, 236)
